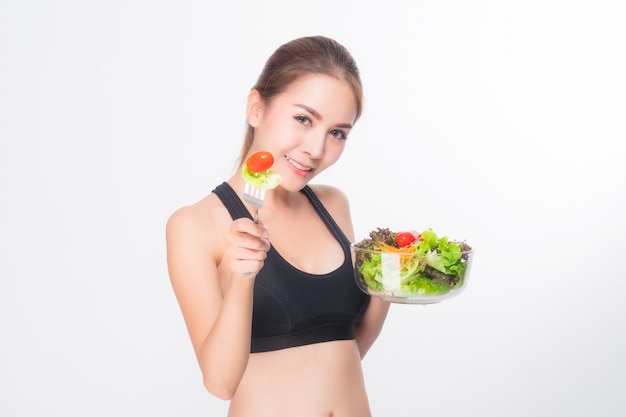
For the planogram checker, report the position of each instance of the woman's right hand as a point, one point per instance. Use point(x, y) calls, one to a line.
point(245, 248)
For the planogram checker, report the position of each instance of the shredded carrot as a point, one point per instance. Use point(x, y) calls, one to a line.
point(406, 253)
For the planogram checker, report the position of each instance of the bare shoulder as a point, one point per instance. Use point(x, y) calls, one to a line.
point(331, 196)
point(199, 225)
point(337, 204)
point(201, 213)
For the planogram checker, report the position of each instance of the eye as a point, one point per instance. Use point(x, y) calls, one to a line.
point(303, 120)
point(339, 134)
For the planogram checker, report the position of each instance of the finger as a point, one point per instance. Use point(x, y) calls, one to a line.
point(247, 263)
point(245, 225)
point(240, 245)
point(248, 242)
point(248, 254)
point(248, 269)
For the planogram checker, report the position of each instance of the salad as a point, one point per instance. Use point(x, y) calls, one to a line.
point(410, 264)
point(257, 171)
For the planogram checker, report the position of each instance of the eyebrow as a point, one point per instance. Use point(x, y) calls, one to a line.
point(319, 116)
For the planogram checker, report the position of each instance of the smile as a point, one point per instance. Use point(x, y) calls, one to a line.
point(297, 165)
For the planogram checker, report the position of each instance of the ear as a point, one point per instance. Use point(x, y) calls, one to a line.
point(254, 108)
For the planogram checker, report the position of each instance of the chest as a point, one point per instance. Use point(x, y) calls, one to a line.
point(305, 241)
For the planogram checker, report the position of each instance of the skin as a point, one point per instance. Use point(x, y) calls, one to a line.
point(213, 262)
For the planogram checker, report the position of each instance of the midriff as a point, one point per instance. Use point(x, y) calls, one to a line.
point(322, 379)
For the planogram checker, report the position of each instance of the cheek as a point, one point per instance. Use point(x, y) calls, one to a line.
point(273, 120)
point(334, 150)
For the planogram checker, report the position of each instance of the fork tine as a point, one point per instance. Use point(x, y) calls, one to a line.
point(254, 195)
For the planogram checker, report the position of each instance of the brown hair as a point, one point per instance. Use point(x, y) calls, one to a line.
point(299, 57)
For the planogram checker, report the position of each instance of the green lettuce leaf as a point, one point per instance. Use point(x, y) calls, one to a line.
point(265, 180)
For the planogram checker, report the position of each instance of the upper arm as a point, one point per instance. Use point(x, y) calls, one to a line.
point(193, 272)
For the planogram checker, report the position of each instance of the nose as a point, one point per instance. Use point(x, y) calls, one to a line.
point(314, 144)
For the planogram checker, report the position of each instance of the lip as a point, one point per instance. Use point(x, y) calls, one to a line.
point(300, 172)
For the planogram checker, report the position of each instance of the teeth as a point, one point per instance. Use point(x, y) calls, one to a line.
point(297, 165)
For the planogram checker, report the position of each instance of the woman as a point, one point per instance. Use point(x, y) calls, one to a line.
point(274, 315)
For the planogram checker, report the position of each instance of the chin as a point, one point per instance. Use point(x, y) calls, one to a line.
point(295, 183)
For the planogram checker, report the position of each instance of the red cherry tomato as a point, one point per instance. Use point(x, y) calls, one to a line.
point(260, 161)
point(404, 239)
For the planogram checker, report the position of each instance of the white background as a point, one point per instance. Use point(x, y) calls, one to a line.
point(500, 122)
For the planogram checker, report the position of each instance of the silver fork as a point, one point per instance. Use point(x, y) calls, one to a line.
point(254, 196)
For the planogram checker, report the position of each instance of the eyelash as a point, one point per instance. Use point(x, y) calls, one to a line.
point(336, 133)
point(339, 134)
point(303, 120)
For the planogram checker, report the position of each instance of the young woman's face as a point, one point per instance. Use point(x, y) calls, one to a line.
point(305, 128)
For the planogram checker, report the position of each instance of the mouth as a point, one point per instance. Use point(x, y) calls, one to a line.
point(298, 168)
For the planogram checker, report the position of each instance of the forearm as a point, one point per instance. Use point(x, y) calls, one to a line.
point(369, 328)
point(223, 356)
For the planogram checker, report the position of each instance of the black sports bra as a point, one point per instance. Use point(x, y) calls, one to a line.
point(294, 308)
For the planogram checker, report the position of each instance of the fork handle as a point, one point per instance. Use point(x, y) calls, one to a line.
point(256, 215)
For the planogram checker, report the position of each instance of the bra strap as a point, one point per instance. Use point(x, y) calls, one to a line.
point(236, 208)
point(231, 201)
point(327, 218)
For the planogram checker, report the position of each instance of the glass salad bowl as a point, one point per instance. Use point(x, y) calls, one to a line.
point(419, 269)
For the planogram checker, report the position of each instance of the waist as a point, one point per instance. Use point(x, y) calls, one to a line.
point(312, 380)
